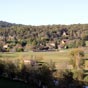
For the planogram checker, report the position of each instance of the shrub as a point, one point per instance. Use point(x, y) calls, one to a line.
point(10, 70)
point(2, 67)
point(77, 56)
point(19, 49)
point(86, 79)
point(78, 74)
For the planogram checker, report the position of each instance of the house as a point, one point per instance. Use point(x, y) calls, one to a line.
point(63, 44)
point(64, 34)
point(64, 41)
point(5, 46)
point(11, 37)
point(50, 45)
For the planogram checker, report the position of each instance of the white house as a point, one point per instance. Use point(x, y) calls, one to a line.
point(5, 46)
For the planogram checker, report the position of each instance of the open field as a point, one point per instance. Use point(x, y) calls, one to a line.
point(61, 58)
point(55, 56)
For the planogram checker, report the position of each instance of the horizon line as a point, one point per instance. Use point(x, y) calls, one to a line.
point(41, 24)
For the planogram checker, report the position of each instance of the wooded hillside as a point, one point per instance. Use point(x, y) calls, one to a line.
point(28, 37)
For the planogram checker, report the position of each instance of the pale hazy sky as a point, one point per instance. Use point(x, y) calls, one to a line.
point(42, 12)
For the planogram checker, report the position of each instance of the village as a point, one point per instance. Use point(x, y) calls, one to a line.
point(12, 46)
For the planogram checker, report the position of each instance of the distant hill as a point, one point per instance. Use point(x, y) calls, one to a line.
point(19, 37)
point(4, 24)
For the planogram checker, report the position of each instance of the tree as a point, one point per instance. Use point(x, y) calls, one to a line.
point(23, 43)
point(56, 45)
point(77, 55)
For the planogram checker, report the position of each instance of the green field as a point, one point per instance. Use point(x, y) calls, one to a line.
point(55, 56)
point(59, 57)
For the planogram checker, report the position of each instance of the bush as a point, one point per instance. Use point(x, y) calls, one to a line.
point(19, 49)
point(77, 56)
point(10, 70)
point(86, 79)
point(2, 67)
point(78, 74)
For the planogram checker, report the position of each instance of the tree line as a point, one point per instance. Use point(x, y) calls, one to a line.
point(23, 37)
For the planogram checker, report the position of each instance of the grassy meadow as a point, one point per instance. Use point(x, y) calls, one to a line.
point(61, 58)
point(55, 56)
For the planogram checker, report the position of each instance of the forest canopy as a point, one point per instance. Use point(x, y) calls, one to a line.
point(40, 37)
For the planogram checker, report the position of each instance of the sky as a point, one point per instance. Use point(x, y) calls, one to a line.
point(44, 12)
